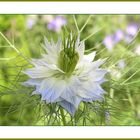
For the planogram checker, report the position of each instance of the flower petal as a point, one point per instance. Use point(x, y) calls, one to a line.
point(90, 57)
point(97, 63)
point(33, 82)
point(74, 100)
point(80, 49)
point(51, 89)
point(98, 74)
point(68, 106)
point(91, 90)
point(39, 72)
point(44, 63)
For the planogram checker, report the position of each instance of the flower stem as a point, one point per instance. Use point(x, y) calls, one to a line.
point(12, 46)
point(63, 116)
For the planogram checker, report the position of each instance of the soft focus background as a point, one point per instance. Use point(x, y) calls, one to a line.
point(115, 37)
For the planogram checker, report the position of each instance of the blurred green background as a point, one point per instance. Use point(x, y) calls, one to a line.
point(113, 36)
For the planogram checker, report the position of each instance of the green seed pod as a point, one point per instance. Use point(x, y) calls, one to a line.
point(67, 61)
point(74, 62)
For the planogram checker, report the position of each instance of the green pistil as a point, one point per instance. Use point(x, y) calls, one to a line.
point(68, 60)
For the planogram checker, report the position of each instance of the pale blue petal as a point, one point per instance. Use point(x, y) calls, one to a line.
point(102, 81)
point(38, 72)
point(33, 82)
point(67, 93)
point(68, 106)
point(71, 98)
point(98, 74)
point(91, 90)
point(51, 89)
point(96, 64)
point(75, 100)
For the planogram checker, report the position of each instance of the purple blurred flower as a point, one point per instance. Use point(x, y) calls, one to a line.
point(118, 36)
point(30, 22)
point(132, 29)
point(109, 42)
point(121, 64)
point(56, 23)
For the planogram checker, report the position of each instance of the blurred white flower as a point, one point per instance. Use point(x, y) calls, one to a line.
point(115, 73)
point(121, 64)
point(137, 50)
point(67, 76)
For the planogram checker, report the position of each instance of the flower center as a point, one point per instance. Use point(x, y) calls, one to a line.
point(68, 58)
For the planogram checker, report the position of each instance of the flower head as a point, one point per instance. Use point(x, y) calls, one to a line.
point(31, 21)
point(121, 64)
point(67, 76)
point(109, 42)
point(132, 29)
point(118, 36)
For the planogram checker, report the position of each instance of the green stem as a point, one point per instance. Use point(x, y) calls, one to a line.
point(63, 116)
point(12, 46)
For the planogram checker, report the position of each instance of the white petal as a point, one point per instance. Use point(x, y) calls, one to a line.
point(98, 74)
point(42, 62)
point(51, 47)
point(84, 68)
point(90, 57)
point(58, 45)
point(91, 90)
point(39, 72)
point(97, 63)
point(48, 46)
point(80, 49)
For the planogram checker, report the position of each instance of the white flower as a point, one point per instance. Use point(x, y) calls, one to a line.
point(67, 76)
point(137, 50)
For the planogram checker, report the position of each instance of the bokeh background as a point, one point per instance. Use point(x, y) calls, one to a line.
point(115, 37)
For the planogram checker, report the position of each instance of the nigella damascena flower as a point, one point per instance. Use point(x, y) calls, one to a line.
point(121, 64)
point(118, 36)
point(31, 21)
point(67, 76)
point(56, 23)
point(109, 42)
point(132, 29)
